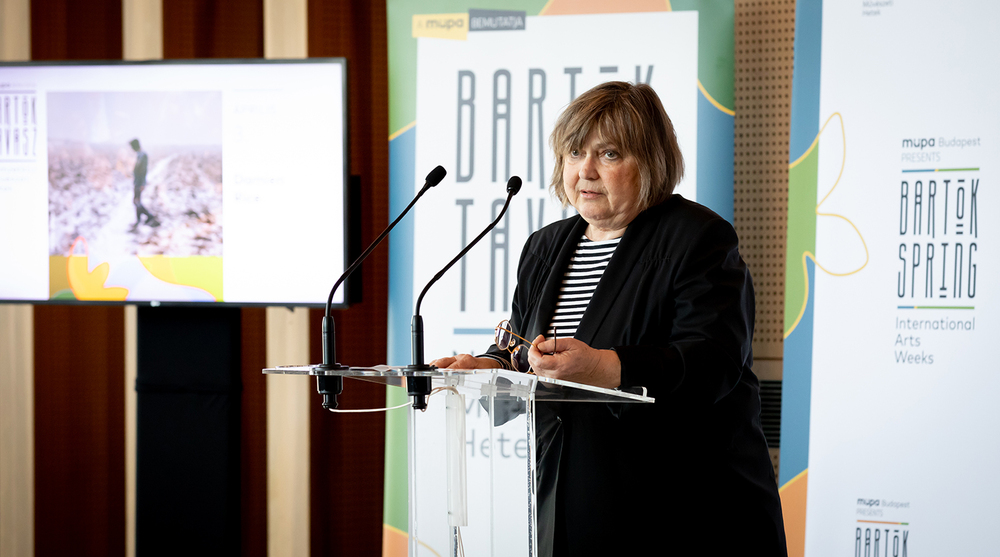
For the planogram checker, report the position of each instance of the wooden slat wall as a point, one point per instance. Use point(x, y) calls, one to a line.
point(17, 398)
point(72, 30)
point(288, 397)
point(17, 427)
point(234, 29)
point(15, 30)
point(213, 29)
point(253, 435)
point(79, 352)
point(79, 430)
point(765, 35)
point(348, 449)
point(78, 390)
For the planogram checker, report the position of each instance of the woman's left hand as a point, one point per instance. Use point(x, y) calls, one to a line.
point(573, 360)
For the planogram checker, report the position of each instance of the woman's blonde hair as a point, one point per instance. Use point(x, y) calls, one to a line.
point(632, 117)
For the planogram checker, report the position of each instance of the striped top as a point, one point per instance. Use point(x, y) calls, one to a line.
point(579, 283)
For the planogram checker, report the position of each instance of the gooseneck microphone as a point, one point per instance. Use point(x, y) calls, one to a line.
point(332, 385)
point(420, 387)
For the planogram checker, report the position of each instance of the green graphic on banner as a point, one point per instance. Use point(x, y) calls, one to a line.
point(801, 235)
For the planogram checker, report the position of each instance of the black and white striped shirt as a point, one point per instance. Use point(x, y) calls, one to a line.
point(579, 283)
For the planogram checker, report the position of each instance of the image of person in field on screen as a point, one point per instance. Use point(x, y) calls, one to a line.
point(139, 179)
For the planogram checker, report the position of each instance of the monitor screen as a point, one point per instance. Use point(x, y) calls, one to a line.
point(173, 182)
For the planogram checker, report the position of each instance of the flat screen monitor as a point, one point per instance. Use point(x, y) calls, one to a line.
point(194, 182)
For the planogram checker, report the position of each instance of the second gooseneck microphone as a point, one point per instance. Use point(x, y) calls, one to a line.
point(420, 387)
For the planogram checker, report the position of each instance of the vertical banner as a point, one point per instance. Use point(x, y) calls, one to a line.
point(478, 91)
point(491, 101)
point(889, 416)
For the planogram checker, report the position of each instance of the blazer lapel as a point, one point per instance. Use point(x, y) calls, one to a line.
point(546, 306)
point(624, 260)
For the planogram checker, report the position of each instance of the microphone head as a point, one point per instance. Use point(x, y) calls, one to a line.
point(513, 185)
point(435, 176)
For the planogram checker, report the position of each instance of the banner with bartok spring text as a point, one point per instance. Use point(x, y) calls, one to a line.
point(890, 414)
point(477, 89)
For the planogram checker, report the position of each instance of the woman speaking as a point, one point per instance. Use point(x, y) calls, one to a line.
point(641, 288)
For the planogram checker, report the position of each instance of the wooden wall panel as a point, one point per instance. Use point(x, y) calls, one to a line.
point(348, 449)
point(74, 30)
point(253, 435)
point(79, 430)
point(213, 29)
point(764, 40)
point(349, 454)
point(79, 352)
point(288, 399)
point(17, 430)
point(234, 29)
point(765, 35)
point(15, 30)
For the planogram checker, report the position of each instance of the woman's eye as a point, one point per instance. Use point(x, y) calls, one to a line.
point(574, 152)
point(611, 154)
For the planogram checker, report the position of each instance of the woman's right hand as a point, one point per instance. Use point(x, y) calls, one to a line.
point(465, 361)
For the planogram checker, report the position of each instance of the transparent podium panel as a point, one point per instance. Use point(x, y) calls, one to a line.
point(472, 461)
point(471, 454)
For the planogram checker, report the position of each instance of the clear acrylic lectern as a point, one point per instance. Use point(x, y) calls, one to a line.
point(472, 478)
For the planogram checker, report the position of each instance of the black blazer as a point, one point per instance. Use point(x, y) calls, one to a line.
point(676, 303)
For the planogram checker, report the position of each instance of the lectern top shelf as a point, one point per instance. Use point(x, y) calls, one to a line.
point(479, 382)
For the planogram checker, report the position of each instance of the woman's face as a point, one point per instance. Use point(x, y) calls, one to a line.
point(603, 186)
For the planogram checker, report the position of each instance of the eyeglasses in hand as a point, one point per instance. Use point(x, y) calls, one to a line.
point(505, 339)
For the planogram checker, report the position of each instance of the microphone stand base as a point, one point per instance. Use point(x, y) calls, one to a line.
point(331, 367)
point(330, 385)
point(418, 387)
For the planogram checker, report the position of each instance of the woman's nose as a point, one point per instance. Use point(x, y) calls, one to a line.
point(588, 169)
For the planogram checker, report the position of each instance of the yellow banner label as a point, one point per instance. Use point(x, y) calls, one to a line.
point(441, 26)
